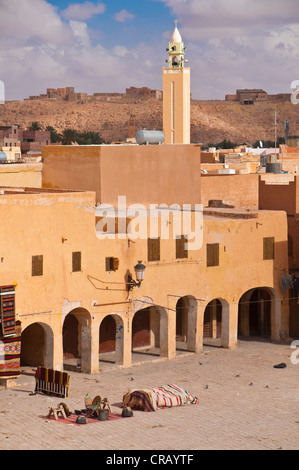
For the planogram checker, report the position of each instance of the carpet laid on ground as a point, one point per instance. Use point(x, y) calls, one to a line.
point(71, 419)
point(151, 399)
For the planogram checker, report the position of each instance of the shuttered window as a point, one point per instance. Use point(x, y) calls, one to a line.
point(213, 254)
point(153, 249)
point(181, 252)
point(112, 264)
point(76, 261)
point(37, 265)
point(268, 248)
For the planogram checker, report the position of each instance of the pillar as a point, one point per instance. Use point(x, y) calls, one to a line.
point(244, 318)
point(94, 349)
point(229, 332)
point(213, 318)
point(167, 333)
point(123, 344)
point(86, 339)
point(199, 327)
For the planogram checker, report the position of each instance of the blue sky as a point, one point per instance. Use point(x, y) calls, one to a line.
point(110, 45)
point(137, 20)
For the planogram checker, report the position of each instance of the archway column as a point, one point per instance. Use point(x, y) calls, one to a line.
point(214, 318)
point(94, 350)
point(127, 342)
point(192, 325)
point(279, 319)
point(123, 343)
point(53, 355)
point(86, 339)
point(199, 327)
point(244, 317)
point(167, 333)
point(229, 331)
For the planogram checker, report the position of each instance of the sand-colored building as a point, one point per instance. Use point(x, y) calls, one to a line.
point(23, 174)
point(281, 193)
point(71, 280)
point(144, 174)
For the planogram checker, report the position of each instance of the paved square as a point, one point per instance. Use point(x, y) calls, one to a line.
point(244, 403)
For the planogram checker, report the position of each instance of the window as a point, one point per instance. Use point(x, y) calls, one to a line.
point(153, 249)
point(112, 264)
point(213, 254)
point(268, 248)
point(181, 252)
point(37, 265)
point(76, 261)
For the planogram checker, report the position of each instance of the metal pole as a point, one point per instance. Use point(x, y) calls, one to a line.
point(275, 132)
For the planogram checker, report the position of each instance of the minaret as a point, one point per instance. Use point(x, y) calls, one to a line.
point(176, 93)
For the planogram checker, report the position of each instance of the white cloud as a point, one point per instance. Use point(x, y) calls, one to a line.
point(230, 45)
point(79, 29)
point(83, 11)
point(44, 52)
point(123, 16)
point(244, 14)
point(120, 51)
point(31, 20)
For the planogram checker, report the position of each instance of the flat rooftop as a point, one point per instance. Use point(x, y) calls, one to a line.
point(24, 190)
point(230, 213)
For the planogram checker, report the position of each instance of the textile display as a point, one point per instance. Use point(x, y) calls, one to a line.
point(10, 353)
point(139, 400)
point(52, 382)
point(7, 310)
point(161, 397)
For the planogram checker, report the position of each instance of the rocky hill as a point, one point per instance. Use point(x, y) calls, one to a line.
point(211, 121)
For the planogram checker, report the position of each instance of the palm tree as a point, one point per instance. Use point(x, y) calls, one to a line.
point(35, 126)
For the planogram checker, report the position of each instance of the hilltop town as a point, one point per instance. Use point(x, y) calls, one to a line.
point(109, 114)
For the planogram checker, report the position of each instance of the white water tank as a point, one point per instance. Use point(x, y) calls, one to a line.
point(146, 137)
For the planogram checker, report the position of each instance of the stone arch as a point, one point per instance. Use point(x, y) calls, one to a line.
point(37, 342)
point(70, 335)
point(213, 319)
point(259, 313)
point(156, 321)
point(111, 339)
point(216, 322)
point(76, 338)
point(142, 335)
point(186, 321)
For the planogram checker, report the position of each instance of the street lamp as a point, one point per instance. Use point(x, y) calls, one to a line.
point(139, 272)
